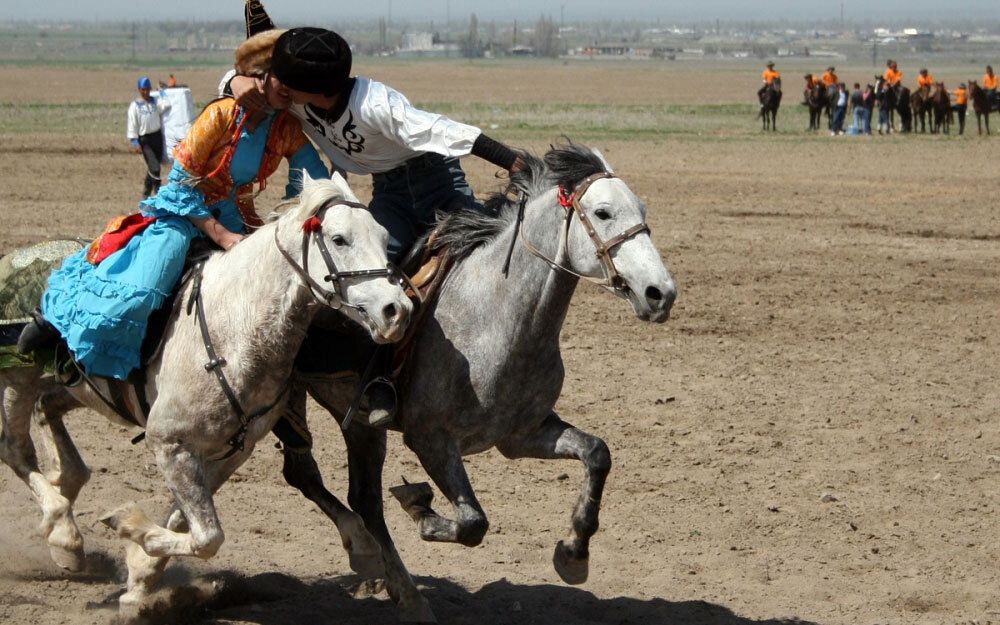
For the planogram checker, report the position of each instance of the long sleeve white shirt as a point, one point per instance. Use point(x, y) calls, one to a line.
point(379, 129)
point(144, 116)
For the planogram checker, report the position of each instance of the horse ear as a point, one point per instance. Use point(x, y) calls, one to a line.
point(604, 161)
point(342, 187)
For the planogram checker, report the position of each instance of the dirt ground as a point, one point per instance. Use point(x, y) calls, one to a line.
point(812, 437)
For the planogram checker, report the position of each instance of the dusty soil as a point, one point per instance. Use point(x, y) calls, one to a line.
point(811, 437)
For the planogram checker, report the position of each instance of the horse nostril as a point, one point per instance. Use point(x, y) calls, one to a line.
point(390, 313)
point(653, 294)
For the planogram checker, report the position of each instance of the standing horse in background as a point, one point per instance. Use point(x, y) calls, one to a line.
point(980, 105)
point(770, 100)
point(897, 101)
point(247, 314)
point(817, 101)
point(941, 106)
point(484, 367)
point(920, 104)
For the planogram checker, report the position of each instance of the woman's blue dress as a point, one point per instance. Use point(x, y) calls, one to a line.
point(101, 310)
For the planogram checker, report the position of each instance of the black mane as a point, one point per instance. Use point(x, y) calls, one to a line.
point(565, 164)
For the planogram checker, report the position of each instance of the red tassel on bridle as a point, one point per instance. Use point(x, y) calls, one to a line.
point(312, 224)
point(565, 199)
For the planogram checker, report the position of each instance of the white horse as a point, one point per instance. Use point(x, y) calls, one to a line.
point(218, 383)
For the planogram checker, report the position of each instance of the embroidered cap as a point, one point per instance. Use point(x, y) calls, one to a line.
point(254, 56)
point(144, 82)
point(314, 60)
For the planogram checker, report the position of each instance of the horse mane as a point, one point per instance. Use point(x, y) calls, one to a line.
point(315, 194)
point(565, 164)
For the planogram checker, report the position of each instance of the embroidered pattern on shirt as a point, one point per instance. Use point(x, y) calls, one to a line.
point(347, 140)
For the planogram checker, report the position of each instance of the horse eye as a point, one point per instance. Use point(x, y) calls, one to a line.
point(602, 214)
point(339, 241)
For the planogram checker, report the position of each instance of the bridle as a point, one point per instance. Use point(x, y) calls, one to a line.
point(335, 298)
point(612, 280)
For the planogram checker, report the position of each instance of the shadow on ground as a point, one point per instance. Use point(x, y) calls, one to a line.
point(277, 599)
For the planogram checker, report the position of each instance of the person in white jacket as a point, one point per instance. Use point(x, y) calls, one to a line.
point(366, 127)
point(145, 131)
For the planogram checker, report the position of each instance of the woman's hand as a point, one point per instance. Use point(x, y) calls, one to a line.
point(229, 240)
point(214, 230)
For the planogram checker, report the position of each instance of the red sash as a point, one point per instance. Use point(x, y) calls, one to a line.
point(117, 234)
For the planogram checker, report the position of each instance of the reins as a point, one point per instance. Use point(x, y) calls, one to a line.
point(570, 202)
point(335, 298)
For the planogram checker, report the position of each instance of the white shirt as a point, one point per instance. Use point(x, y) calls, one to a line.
point(144, 116)
point(380, 130)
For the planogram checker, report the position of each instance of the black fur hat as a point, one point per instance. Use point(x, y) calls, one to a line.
point(314, 60)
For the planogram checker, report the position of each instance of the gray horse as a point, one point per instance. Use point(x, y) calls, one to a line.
point(254, 304)
point(485, 369)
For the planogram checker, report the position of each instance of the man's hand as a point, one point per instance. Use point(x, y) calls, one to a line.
point(248, 92)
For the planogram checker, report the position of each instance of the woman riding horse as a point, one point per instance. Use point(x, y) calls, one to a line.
point(100, 300)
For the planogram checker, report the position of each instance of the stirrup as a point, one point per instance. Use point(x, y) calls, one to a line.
point(380, 415)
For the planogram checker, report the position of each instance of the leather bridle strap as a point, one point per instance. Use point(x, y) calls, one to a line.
point(571, 202)
point(602, 248)
point(334, 298)
point(215, 363)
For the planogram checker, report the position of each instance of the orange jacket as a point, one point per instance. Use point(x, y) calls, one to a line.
point(892, 76)
point(208, 148)
point(961, 97)
point(829, 78)
point(989, 82)
point(925, 80)
point(769, 75)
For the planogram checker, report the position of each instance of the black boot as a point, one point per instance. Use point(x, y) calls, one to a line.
point(381, 394)
point(37, 334)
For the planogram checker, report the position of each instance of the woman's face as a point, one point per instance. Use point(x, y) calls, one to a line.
point(278, 97)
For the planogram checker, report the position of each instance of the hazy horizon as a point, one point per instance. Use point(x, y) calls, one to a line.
point(309, 11)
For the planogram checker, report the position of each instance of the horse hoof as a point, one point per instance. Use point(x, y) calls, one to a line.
point(572, 570)
point(413, 495)
point(366, 565)
point(415, 611)
point(73, 560)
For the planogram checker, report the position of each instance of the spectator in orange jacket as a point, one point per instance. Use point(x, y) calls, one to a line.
point(961, 102)
point(990, 85)
point(925, 79)
point(768, 76)
point(892, 75)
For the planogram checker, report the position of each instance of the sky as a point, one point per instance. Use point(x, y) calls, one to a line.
point(668, 11)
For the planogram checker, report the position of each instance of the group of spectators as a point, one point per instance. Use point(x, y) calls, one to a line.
point(862, 102)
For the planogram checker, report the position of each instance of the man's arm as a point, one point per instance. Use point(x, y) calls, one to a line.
point(246, 90)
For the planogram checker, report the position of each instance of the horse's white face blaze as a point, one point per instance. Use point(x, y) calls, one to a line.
point(612, 209)
point(357, 242)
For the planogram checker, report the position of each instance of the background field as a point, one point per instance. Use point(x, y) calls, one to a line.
point(836, 333)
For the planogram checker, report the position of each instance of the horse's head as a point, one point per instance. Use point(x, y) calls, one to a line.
point(609, 241)
point(339, 250)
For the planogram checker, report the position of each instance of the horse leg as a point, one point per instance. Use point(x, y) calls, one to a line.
point(145, 570)
point(70, 472)
point(366, 458)
point(300, 471)
point(557, 439)
point(442, 460)
point(186, 477)
point(20, 388)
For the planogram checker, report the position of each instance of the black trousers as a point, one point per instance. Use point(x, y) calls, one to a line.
point(152, 151)
point(960, 109)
